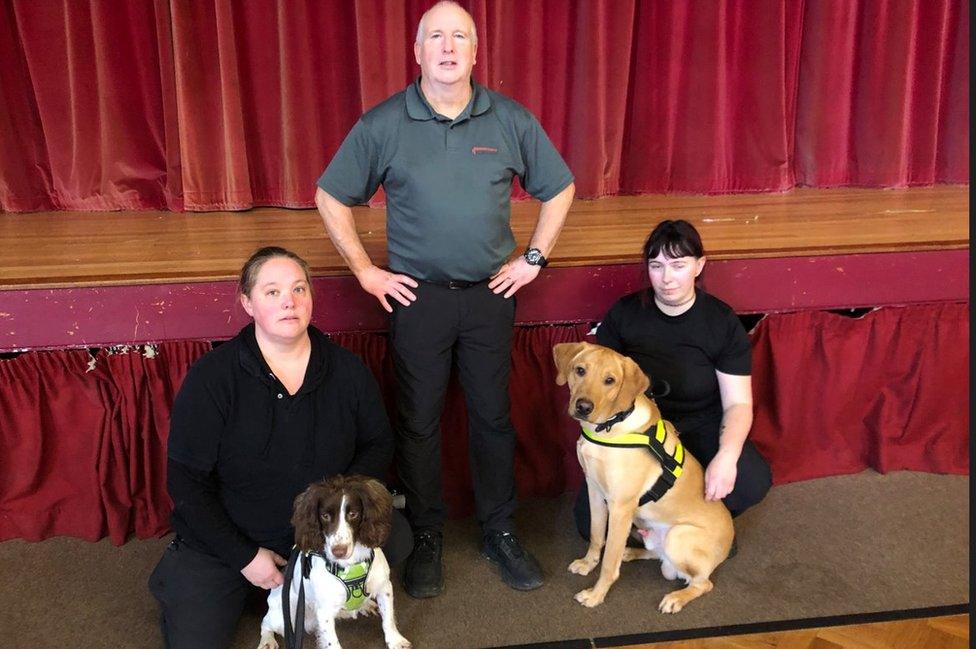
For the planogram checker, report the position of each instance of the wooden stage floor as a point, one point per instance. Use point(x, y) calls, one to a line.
point(71, 279)
point(72, 249)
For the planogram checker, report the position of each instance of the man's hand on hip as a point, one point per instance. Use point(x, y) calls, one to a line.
point(382, 283)
point(513, 276)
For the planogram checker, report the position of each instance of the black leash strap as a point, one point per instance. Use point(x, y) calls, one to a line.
point(294, 637)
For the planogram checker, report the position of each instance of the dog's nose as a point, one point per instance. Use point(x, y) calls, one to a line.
point(340, 551)
point(584, 407)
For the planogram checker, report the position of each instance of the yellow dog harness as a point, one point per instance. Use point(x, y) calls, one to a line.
point(671, 463)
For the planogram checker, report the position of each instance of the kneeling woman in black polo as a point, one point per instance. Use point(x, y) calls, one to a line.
point(256, 421)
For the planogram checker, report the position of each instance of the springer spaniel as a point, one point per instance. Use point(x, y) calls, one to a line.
point(340, 524)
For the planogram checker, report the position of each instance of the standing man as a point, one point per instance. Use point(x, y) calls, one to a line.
point(446, 150)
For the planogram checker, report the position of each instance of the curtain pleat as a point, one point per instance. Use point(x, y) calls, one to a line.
point(145, 385)
point(54, 425)
point(223, 105)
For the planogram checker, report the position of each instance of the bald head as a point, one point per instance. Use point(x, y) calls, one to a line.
point(445, 5)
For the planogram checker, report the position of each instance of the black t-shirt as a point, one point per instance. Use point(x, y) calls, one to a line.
point(684, 350)
point(241, 448)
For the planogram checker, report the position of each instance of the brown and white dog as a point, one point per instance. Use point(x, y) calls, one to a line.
point(690, 535)
point(339, 523)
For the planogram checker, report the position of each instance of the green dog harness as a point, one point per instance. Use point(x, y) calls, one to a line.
point(354, 579)
point(671, 463)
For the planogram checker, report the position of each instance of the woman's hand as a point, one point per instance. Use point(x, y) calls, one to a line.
point(720, 475)
point(263, 570)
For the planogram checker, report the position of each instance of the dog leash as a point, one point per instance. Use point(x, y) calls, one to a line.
point(295, 637)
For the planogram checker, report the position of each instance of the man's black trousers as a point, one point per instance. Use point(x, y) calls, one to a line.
point(474, 327)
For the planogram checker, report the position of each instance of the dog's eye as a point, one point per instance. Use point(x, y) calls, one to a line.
point(609, 380)
point(352, 515)
point(580, 370)
point(327, 518)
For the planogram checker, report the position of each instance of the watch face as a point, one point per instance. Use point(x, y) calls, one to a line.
point(533, 256)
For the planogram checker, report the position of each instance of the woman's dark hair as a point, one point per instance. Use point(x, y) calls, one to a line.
point(251, 268)
point(675, 239)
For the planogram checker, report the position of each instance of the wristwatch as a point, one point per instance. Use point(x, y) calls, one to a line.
point(535, 258)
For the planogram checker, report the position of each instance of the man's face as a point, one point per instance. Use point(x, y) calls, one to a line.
point(447, 51)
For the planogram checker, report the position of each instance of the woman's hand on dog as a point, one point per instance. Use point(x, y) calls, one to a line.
point(720, 475)
point(263, 570)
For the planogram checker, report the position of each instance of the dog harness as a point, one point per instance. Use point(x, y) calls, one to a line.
point(654, 442)
point(353, 578)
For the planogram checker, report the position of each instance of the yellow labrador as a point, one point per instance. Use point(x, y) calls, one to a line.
point(689, 535)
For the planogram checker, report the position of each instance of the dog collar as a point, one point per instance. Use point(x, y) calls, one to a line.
point(672, 464)
point(616, 419)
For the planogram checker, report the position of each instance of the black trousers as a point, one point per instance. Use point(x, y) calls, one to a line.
point(753, 478)
point(474, 326)
point(201, 598)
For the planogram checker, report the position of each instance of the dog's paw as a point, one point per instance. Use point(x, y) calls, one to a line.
point(268, 642)
point(582, 566)
point(368, 607)
point(637, 554)
point(671, 603)
point(398, 642)
point(588, 598)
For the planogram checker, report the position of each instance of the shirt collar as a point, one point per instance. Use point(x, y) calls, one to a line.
point(419, 108)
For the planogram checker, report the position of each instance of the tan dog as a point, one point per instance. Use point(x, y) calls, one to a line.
point(689, 535)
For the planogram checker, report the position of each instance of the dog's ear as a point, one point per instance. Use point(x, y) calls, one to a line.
point(307, 519)
point(377, 511)
point(563, 355)
point(633, 383)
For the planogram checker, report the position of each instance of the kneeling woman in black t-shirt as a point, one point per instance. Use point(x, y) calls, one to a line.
point(694, 344)
point(256, 421)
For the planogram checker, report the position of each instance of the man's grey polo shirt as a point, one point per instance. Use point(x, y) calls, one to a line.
point(448, 182)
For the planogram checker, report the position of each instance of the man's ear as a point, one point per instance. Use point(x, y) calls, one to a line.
point(633, 384)
point(563, 355)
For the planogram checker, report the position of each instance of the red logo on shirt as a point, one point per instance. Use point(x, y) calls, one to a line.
point(483, 149)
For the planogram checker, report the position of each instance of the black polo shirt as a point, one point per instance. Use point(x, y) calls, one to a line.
point(241, 448)
point(447, 182)
point(684, 350)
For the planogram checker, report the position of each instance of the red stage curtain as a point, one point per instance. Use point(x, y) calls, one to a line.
point(144, 387)
point(860, 123)
point(82, 444)
point(53, 424)
point(225, 105)
point(88, 118)
point(887, 391)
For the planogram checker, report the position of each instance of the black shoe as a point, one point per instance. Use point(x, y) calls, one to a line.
point(519, 569)
point(423, 575)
